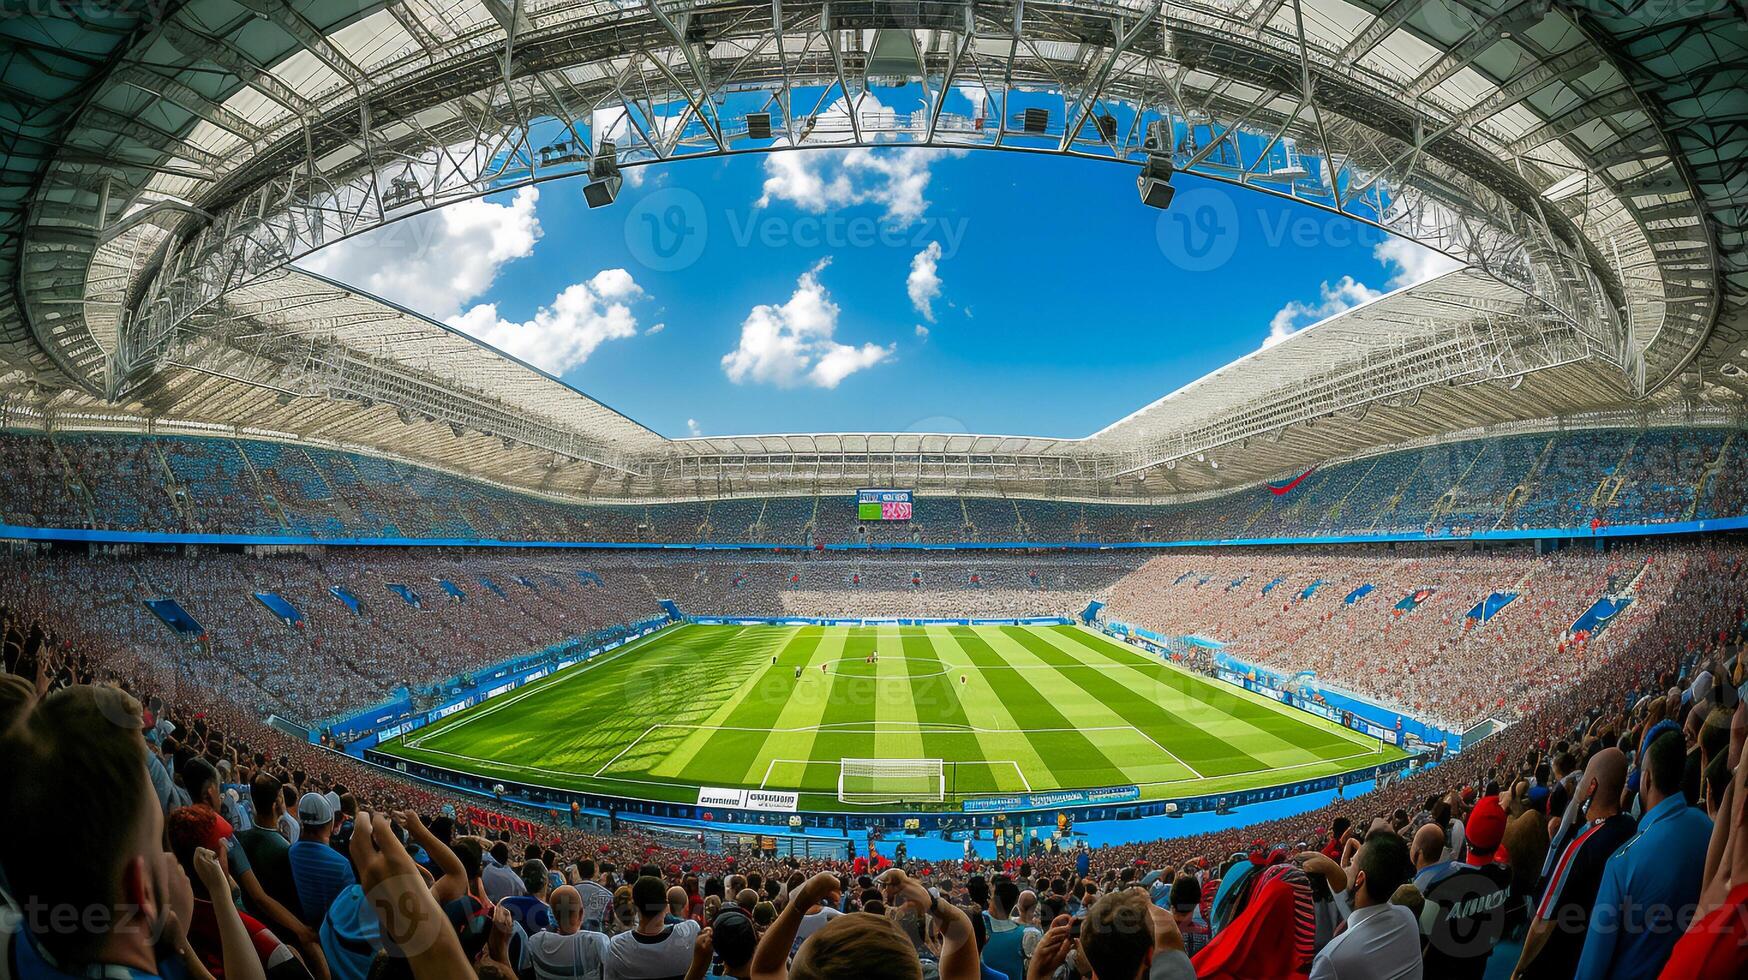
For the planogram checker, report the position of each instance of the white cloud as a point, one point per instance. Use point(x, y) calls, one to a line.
point(437, 261)
point(693, 429)
point(793, 344)
point(922, 332)
point(1344, 295)
point(655, 328)
point(562, 335)
point(924, 282)
point(823, 180)
point(1414, 262)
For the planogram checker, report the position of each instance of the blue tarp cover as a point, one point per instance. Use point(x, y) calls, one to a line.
point(1414, 599)
point(1489, 607)
point(1598, 616)
point(280, 607)
point(407, 594)
point(493, 586)
point(348, 598)
point(174, 616)
point(453, 590)
point(1271, 586)
point(1358, 594)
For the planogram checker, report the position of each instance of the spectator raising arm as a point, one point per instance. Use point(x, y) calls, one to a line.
point(958, 943)
point(241, 963)
point(411, 918)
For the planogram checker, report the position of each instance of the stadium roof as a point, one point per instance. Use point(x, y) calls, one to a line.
point(170, 159)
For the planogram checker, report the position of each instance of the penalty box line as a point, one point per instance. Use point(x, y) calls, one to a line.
point(804, 763)
point(897, 727)
point(510, 699)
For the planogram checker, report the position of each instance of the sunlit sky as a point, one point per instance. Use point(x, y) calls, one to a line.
point(878, 290)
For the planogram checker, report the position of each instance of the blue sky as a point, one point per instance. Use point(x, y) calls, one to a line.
point(894, 289)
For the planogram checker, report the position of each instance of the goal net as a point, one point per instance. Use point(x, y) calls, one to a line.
point(891, 781)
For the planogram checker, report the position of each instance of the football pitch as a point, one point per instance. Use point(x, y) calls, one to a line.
point(977, 709)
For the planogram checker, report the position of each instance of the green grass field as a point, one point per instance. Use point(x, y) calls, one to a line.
point(1006, 708)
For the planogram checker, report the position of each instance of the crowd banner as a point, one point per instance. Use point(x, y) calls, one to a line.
point(492, 820)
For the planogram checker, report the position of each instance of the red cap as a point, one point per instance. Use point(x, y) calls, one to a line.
point(1485, 830)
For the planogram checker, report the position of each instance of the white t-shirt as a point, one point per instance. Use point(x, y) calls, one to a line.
point(597, 902)
point(811, 924)
point(665, 956)
point(579, 956)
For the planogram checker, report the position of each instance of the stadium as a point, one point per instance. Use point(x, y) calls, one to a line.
point(1407, 643)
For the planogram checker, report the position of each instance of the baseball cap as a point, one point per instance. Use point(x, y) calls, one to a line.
point(1485, 830)
point(733, 935)
point(314, 810)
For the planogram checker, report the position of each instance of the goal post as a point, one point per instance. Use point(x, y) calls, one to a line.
point(879, 781)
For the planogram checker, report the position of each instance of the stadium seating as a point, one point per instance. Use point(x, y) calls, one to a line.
point(1539, 480)
point(72, 621)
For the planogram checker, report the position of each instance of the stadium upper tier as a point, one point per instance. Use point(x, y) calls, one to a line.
point(1532, 480)
point(169, 161)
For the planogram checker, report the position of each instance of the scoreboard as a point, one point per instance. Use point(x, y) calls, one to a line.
point(883, 505)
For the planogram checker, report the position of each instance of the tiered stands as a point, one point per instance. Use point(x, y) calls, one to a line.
point(1528, 481)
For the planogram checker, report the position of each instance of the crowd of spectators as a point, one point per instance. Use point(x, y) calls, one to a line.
point(237, 486)
point(1395, 627)
point(334, 657)
point(165, 831)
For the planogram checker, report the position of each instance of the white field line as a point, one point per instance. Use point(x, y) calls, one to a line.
point(488, 764)
point(492, 706)
point(1314, 720)
point(804, 763)
point(1169, 752)
point(1371, 747)
point(628, 748)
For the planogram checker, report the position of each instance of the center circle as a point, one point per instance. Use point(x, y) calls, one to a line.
point(940, 671)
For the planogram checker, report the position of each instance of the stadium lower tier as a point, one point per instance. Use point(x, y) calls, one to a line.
point(1530, 481)
point(1453, 635)
point(885, 717)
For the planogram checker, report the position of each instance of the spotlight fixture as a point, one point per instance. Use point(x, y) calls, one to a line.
point(1154, 183)
point(604, 180)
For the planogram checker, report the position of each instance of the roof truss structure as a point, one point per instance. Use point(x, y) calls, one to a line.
point(171, 161)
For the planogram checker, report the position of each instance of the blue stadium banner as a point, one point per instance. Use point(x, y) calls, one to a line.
point(348, 598)
point(1050, 801)
point(453, 590)
point(411, 597)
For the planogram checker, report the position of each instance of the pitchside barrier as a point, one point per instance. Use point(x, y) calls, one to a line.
point(873, 621)
point(976, 812)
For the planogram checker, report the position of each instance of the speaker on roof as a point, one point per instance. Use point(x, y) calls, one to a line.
point(1108, 128)
point(759, 125)
point(1035, 120)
